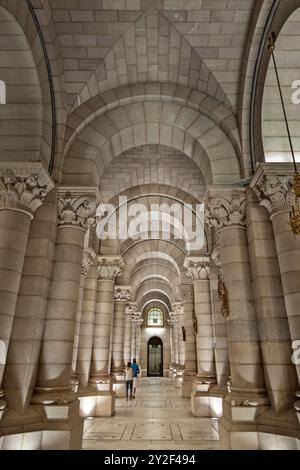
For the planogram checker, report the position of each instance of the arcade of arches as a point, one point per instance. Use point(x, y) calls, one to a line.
point(158, 103)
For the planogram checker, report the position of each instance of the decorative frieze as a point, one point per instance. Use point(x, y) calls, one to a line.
point(109, 267)
point(87, 259)
point(122, 293)
point(77, 206)
point(131, 308)
point(23, 186)
point(197, 267)
point(225, 207)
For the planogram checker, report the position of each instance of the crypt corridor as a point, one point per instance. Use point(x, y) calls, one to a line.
point(149, 209)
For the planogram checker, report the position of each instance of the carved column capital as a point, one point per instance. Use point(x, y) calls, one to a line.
point(273, 186)
point(88, 257)
point(187, 294)
point(197, 267)
point(173, 318)
point(225, 206)
point(77, 206)
point(23, 186)
point(131, 308)
point(122, 293)
point(178, 308)
point(137, 318)
point(109, 267)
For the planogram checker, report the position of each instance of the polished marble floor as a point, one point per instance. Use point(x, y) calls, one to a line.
point(157, 419)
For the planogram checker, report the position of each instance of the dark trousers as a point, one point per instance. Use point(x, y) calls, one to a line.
point(129, 386)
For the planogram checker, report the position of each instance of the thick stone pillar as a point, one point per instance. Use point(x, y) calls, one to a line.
point(133, 337)
point(86, 333)
point(226, 212)
point(189, 338)
point(273, 183)
point(122, 295)
point(280, 373)
point(104, 401)
point(23, 188)
point(129, 312)
point(219, 323)
point(203, 403)
point(178, 309)
point(54, 392)
point(138, 339)
point(87, 260)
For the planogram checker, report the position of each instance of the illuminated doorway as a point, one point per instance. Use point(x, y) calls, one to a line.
point(155, 357)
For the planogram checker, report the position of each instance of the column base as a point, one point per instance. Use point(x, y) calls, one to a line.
point(98, 399)
point(187, 384)
point(119, 384)
point(43, 427)
point(179, 377)
point(207, 399)
point(238, 425)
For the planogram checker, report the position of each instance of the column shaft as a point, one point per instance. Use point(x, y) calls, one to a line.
point(127, 338)
point(86, 335)
point(58, 339)
point(118, 337)
point(25, 344)
point(14, 231)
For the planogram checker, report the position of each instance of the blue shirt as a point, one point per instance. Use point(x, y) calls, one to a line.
point(135, 369)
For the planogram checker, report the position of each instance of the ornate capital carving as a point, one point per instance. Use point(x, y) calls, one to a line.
point(77, 206)
point(109, 267)
point(137, 318)
point(122, 293)
point(225, 207)
point(187, 294)
point(275, 192)
point(23, 186)
point(87, 259)
point(197, 267)
point(178, 308)
point(173, 318)
point(131, 308)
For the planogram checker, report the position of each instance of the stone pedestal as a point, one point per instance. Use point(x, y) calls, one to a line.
point(238, 427)
point(99, 399)
point(206, 399)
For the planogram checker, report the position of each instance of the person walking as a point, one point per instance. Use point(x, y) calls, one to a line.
point(128, 380)
point(136, 371)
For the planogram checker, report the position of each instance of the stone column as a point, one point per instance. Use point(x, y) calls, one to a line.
point(108, 269)
point(175, 339)
point(133, 337)
point(87, 260)
point(129, 312)
point(219, 323)
point(23, 188)
point(138, 338)
point(122, 295)
point(170, 323)
point(178, 309)
point(189, 339)
point(203, 403)
point(226, 212)
point(272, 184)
point(86, 333)
point(54, 392)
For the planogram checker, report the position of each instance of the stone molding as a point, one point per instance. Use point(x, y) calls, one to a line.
point(77, 206)
point(109, 267)
point(23, 186)
point(187, 294)
point(122, 293)
point(225, 206)
point(197, 268)
point(273, 186)
point(88, 257)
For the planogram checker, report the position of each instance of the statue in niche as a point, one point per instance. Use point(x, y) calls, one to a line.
point(222, 293)
point(183, 333)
